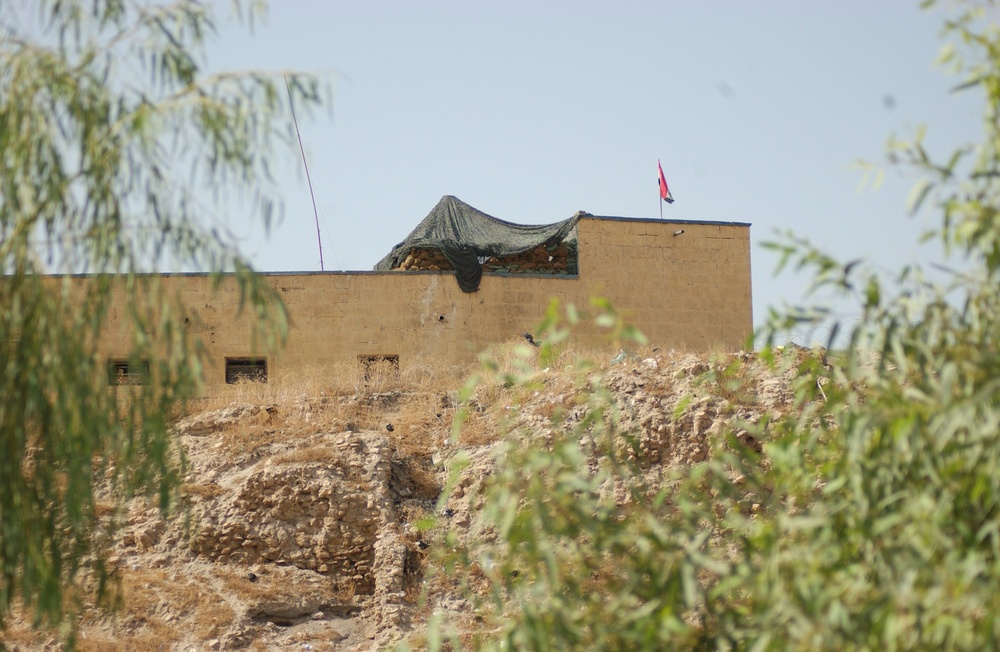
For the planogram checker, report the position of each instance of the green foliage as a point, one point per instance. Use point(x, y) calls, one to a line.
point(115, 145)
point(870, 521)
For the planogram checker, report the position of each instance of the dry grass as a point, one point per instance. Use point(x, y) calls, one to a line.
point(147, 592)
point(142, 624)
point(417, 400)
point(273, 588)
point(558, 404)
point(203, 491)
point(414, 375)
point(247, 439)
point(414, 404)
point(104, 508)
point(479, 430)
point(155, 636)
point(19, 634)
point(419, 418)
point(236, 585)
point(321, 454)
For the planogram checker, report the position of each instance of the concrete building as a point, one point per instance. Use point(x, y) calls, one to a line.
point(685, 284)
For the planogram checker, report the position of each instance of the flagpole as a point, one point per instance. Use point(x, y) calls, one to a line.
point(659, 185)
point(665, 195)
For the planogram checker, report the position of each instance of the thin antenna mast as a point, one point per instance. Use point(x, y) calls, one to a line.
point(319, 240)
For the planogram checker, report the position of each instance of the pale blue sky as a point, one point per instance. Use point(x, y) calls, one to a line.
point(531, 111)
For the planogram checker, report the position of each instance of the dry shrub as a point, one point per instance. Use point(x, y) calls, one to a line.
point(380, 376)
point(18, 634)
point(147, 596)
point(518, 358)
point(237, 585)
point(421, 425)
point(418, 420)
point(281, 387)
point(347, 588)
point(145, 591)
point(247, 440)
point(338, 398)
point(155, 636)
point(104, 508)
point(271, 587)
point(555, 408)
point(427, 374)
point(491, 397)
point(415, 478)
point(203, 491)
point(479, 430)
point(420, 374)
point(321, 454)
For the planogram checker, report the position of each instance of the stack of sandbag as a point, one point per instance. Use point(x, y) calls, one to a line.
point(557, 258)
point(551, 259)
point(425, 260)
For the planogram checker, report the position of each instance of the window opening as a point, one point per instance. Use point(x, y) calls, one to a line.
point(128, 372)
point(246, 369)
point(378, 366)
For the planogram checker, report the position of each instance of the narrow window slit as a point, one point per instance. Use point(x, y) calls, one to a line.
point(246, 370)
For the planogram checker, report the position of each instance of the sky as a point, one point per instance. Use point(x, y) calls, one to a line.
point(530, 111)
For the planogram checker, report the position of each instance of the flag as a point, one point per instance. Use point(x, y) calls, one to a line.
point(664, 190)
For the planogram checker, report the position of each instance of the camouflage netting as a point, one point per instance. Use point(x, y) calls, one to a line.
point(457, 236)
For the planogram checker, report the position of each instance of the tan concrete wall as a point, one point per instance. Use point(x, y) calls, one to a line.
point(687, 291)
point(691, 291)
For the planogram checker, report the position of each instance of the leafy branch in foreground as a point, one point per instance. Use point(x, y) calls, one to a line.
point(116, 146)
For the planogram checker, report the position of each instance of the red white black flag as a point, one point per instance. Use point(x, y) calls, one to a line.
point(664, 190)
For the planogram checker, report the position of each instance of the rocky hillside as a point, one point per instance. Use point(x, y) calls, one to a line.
point(297, 529)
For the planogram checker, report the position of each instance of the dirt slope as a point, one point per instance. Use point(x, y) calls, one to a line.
point(298, 529)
